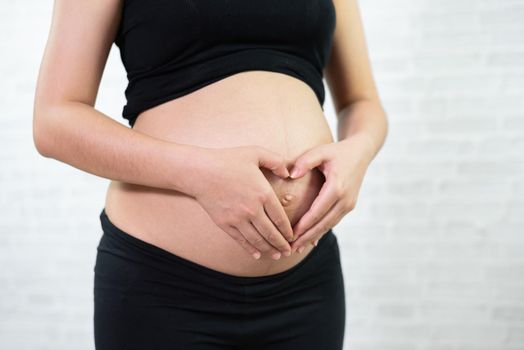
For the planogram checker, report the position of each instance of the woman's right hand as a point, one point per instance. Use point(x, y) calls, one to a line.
point(232, 189)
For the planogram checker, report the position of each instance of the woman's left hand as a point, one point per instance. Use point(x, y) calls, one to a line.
point(343, 164)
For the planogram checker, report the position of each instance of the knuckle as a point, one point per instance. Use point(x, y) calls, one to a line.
point(304, 239)
point(235, 220)
point(250, 214)
point(241, 239)
point(247, 212)
point(346, 206)
point(271, 237)
point(320, 230)
point(258, 241)
point(221, 222)
point(335, 172)
point(248, 247)
point(339, 191)
point(225, 222)
point(316, 217)
point(350, 205)
point(263, 196)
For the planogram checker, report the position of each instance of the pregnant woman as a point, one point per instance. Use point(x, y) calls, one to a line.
point(217, 224)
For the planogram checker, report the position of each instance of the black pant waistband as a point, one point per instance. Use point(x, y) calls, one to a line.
point(112, 231)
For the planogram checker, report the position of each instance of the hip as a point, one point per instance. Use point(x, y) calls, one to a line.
point(127, 265)
point(146, 297)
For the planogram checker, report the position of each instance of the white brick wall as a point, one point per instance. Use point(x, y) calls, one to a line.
point(433, 254)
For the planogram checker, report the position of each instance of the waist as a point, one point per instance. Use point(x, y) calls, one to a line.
point(273, 110)
point(120, 243)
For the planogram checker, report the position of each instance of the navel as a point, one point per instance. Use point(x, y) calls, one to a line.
point(286, 199)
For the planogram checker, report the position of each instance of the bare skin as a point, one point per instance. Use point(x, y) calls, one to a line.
point(288, 121)
point(168, 185)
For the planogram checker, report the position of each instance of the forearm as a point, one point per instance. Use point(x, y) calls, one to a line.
point(364, 123)
point(81, 136)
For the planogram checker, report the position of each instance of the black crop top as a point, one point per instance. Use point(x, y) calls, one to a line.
point(170, 48)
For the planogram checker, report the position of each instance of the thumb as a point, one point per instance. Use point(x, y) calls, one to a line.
point(307, 161)
point(272, 161)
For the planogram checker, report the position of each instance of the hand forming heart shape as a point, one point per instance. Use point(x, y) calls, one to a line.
point(343, 164)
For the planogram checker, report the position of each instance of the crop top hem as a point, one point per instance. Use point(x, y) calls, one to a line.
point(218, 68)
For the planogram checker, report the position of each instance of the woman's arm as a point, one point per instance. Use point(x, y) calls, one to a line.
point(362, 129)
point(67, 127)
point(348, 74)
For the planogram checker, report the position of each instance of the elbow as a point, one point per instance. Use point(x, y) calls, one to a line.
point(40, 147)
point(385, 122)
point(41, 135)
point(39, 138)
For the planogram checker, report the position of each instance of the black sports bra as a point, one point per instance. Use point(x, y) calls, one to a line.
point(170, 48)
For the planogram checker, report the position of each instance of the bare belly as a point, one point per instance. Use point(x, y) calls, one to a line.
point(269, 109)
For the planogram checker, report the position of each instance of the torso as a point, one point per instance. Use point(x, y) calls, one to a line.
point(273, 110)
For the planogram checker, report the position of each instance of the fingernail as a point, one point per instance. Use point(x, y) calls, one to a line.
point(294, 172)
point(301, 249)
point(315, 243)
point(256, 255)
point(287, 253)
point(276, 255)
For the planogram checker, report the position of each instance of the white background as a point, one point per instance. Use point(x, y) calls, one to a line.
point(433, 253)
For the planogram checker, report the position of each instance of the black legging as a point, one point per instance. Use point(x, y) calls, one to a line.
point(146, 298)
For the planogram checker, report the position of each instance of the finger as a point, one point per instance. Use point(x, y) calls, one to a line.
point(239, 238)
point(267, 229)
point(329, 221)
point(273, 161)
point(256, 239)
point(325, 199)
point(321, 227)
point(307, 161)
point(275, 211)
point(314, 242)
